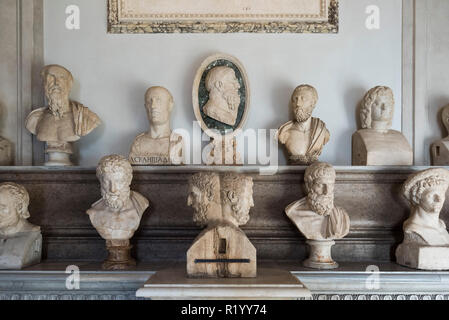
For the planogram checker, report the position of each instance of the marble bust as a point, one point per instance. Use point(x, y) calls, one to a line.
point(376, 144)
point(160, 145)
point(117, 215)
point(426, 240)
point(316, 216)
point(440, 149)
point(221, 203)
point(224, 98)
point(305, 136)
point(64, 121)
point(20, 241)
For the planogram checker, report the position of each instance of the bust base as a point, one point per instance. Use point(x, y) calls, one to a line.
point(270, 284)
point(320, 255)
point(119, 257)
point(20, 251)
point(423, 257)
point(58, 159)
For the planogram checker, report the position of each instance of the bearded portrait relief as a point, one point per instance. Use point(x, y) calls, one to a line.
point(305, 136)
point(317, 217)
point(64, 121)
point(160, 145)
point(376, 144)
point(117, 215)
point(220, 97)
point(221, 203)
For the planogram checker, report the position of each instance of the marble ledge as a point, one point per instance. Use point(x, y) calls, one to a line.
point(262, 170)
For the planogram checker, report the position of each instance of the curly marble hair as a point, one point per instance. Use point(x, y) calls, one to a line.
point(20, 196)
point(115, 163)
point(421, 186)
point(318, 170)
point(209, 184)
point(306, 87)
point(368, 100)
point(233, 186)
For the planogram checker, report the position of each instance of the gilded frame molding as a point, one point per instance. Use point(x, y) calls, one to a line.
point(115, 25)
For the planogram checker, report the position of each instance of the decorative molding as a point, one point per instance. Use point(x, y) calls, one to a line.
point(202, 24)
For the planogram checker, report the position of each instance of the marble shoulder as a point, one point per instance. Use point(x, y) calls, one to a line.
point(96, 206)
point(299, 205)
point(140, 202)
point(282, 133)
point(33, 119)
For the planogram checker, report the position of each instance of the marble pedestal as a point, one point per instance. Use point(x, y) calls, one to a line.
point(320, 255)
point(20, 251)
point(423, 257)
point(119, 256)
point(269, 284)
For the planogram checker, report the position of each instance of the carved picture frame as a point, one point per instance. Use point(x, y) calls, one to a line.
point(127, 16)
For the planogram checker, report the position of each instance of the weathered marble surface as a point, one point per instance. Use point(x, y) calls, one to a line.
point(375, 144)
point(439, 150)
point(426, 239)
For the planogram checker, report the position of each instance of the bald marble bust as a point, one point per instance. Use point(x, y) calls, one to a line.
point(160, 145)
point(64, 121)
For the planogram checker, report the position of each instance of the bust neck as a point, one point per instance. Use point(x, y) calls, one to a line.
point(381, 126)
point(158, 131)
point(228, 215)
point(304, 126)
point(11, 230)
point(426, 219)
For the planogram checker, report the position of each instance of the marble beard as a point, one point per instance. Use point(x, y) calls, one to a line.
point(440, 149)
point(305, 136)
point(375, 144)
point(117, 215)
point(317, 217)
point(64, 121)
point(221, 203)
point(20, 241)
point(426, 240)
point(160, 145)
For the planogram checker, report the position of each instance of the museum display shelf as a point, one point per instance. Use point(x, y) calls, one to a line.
point(371, 195)
point(352, 281)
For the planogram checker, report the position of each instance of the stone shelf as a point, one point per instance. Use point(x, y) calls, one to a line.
point(349, 282)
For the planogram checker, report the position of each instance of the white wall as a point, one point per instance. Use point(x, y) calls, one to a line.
point(113, 71)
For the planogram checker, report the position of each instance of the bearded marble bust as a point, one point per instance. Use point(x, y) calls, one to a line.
point(376, 144)
point(160, 145)
point(426, 239)
point(20, 241)
point(64, 121)
point(222, 204)
point(117, 215)
point(305, 136)
point(440, 149)
point(224, 98)
point(316, 216)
